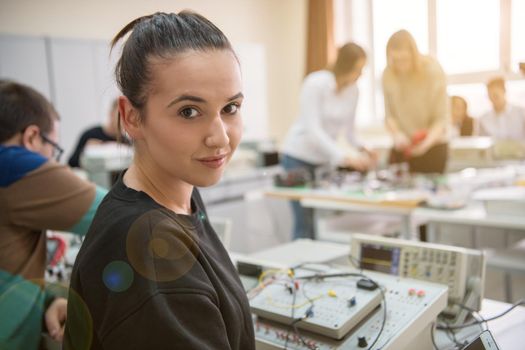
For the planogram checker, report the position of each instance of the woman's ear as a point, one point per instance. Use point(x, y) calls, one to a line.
point(129, 118)
point(31, 139)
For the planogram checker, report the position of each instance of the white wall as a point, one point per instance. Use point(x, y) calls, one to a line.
point(276, 24)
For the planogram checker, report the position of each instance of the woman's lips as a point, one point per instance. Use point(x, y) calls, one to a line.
point(213, 162)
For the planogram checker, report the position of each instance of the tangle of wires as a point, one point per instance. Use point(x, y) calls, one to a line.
point(477, 320)
point(319, 277)
point(287, 278)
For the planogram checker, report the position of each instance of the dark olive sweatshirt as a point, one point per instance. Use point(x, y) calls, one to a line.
point(147, 278)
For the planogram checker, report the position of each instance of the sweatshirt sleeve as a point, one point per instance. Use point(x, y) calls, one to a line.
point(53, 197)
point(183, 319)
point(351, 121)
point(311, 112)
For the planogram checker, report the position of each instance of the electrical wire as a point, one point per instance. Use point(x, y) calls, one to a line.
point(294, 296)
point(297, 320)
point(432, 330)
point(353, 274)
point(464, 325)
point(479, 320)
point(475, 314)
point(290, 273)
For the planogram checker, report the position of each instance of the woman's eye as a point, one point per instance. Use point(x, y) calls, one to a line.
point(189, 113)
point(231, 108)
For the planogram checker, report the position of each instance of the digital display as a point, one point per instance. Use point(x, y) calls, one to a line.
point(380, 258)
point(475, 345)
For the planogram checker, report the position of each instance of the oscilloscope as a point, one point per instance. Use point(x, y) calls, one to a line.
point(461, 269)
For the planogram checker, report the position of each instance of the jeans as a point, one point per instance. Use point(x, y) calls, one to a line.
point(304, 226)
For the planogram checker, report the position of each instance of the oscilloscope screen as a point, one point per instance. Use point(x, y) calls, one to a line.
point(380, 258)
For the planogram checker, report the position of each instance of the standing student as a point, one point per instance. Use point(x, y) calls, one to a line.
point(36, 194)
point(504, 121)
point(152, 273)
point(327, 106)
point(462, 123)
point(414, 88)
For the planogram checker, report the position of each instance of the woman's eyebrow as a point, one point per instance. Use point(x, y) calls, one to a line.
point(186, 98)
point(199, 99)
point(236, 96)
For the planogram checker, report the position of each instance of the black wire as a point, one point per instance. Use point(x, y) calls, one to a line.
point(458, 345)
point(432, 330)
point(294, 295)
point(384, 316)
point(353, 274)
point(452, 336)
point(296, 330)
point(475, 314)
point(450, 332)
point(320, 276)
point(323, 276)
point(297, 320)
point(516, 304)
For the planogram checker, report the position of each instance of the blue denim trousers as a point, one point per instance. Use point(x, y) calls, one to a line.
point(304, 226)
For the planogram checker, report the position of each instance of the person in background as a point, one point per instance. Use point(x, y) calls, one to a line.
point(505, 121)
point(414, 88)
point(462, 123)
point(36, 194)
point(98, 134)
point(152, 273)
point(327, 106)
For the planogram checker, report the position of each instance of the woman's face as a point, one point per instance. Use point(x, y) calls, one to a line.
point(401, 60)
point(192, 121)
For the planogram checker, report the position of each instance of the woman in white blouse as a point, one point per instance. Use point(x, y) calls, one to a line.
point(327, 107)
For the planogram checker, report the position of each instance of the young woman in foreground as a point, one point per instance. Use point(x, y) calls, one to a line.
point(152, 273)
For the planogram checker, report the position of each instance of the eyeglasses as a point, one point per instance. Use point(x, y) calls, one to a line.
point(57, 150)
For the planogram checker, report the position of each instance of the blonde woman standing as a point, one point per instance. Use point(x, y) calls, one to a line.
point(414, 88)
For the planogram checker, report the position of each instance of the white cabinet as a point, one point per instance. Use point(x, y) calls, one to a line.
point(80, 70)
point(75, 74)
point(24, 59)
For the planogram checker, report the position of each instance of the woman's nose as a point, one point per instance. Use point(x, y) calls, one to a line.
point(218, 134)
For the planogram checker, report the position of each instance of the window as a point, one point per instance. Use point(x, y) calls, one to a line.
point(389, 17)
point(516, 35)
point(466, 42)
point(473, 40)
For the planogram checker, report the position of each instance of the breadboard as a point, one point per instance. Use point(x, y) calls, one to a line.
point(330, 307)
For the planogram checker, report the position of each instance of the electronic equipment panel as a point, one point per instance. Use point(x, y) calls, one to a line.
point(411, 306)
point(330, 307)
point(438, 263)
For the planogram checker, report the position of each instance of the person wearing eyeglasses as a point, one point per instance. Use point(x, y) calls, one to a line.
point(36, 194)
